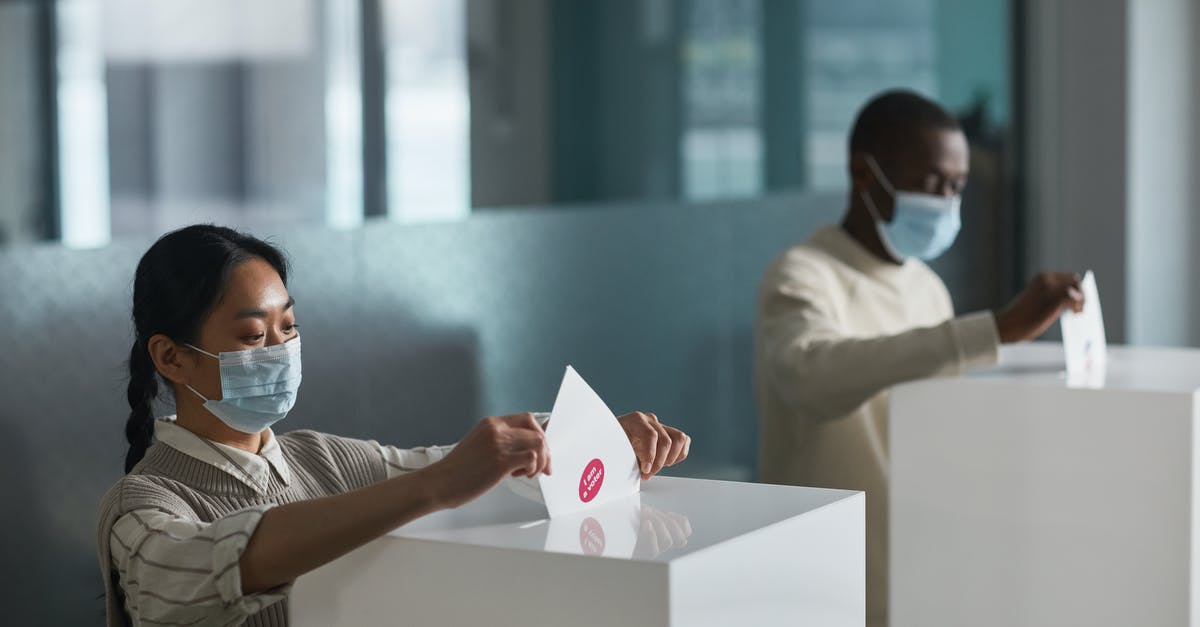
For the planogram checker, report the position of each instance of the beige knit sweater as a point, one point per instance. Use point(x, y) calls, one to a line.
point(836, 327)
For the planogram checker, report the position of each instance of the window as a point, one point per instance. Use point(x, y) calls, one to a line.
point(427, 109)
point(216, 110)
point(135, 116)
point(721, 147)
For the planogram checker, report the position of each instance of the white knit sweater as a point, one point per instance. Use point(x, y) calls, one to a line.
point(836, 327)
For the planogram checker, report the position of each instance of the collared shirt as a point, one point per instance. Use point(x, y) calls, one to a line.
point(194, 563)
point(249, 468)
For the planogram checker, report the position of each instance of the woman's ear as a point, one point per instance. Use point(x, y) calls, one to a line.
point(170, 359)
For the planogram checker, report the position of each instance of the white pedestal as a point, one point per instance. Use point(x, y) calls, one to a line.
point(1017, 499)
point(686, 552)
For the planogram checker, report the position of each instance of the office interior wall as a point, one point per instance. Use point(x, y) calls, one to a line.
point(1112, 156)
point(1164, 160)
point(1076, 74)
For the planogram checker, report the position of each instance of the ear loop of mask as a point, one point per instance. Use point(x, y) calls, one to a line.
point(874, 211)
point(201, 350)
point(883, 182)
point(880, 176)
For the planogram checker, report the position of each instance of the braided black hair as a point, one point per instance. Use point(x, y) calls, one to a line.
point(178, 281)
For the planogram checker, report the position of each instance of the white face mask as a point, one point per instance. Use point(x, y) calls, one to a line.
point(258, 386)
point(922, 226)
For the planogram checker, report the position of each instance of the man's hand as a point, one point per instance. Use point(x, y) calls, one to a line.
point(1038, 306)
point(655, 444)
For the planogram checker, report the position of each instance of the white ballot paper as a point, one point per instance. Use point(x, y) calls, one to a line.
point(592, 460)
point(1083, 333)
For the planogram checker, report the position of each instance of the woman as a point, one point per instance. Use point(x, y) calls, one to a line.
point(216, 514)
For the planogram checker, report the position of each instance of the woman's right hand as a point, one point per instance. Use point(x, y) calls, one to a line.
point(495, 448)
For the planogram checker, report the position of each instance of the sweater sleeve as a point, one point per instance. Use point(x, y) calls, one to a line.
point(404, 460)
point(401, 461)
point(179, 571)
point(814, 366)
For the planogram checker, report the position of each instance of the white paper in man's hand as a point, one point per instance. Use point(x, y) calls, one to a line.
point(592, 459)
point(1083, 333)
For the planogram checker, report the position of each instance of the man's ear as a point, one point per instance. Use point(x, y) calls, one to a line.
point(170, 359)
point(861, 176)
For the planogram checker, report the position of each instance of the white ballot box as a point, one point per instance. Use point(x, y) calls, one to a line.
point(685, 552)
point(1021, 498)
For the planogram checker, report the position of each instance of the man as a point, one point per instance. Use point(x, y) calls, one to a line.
point(855, 310)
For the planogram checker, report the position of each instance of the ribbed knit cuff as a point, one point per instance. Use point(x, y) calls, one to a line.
point(524, 486)
point(977, 340)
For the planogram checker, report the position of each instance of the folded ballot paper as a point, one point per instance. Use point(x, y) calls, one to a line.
point(593, 462)
point(1083, 335)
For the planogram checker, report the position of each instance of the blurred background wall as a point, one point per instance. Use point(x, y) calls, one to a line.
point(476, 193)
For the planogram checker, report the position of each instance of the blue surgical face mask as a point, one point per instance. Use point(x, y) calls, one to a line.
point(258, 386)
point(922, 226)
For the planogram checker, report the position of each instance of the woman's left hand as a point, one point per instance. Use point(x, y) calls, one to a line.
point(655, 444)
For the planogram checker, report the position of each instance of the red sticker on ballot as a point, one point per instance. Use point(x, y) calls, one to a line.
point(592, 479)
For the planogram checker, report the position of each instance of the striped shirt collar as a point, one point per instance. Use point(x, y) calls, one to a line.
point(252, 470)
